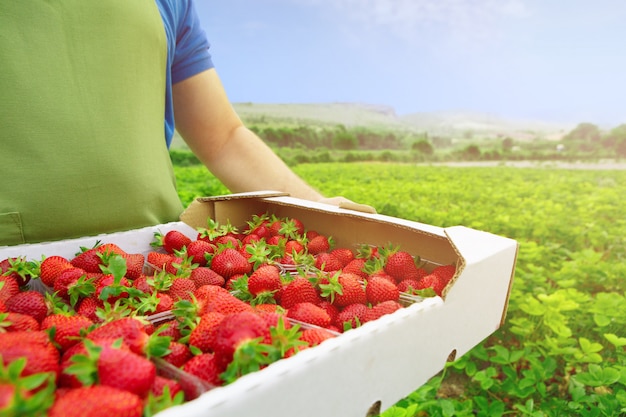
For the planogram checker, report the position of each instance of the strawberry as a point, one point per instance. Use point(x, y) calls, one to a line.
point(39, 357)
point(69, 278)
point(300, 289)
point(352, 316)
point(88, 260)
point(204, 366)
point(446, 272)
point(172, 241)
point(51, 267)
point(379, 289)
point(330, 309)
point(178, 355)
point(293, 246)
point(401, 265)
point(12, 322)
point(126, 370)
point(432, 281)
point(408, 285)
point(206, 276)
point(324, 261)
point(309, 313)
point(28, 302)
point(9, 287)
point(159, 260)
point(67, 329)
point(165, 302)
point(226, 303)
point(344, 289)
point(197, 251)
point(319, 244)
point(264, 283)
point(236, 330)
point(134, 264)
point(203, 335)
point(343, 255)
point(20, 269)
point(160, 382)
point(131, 330)
point(356, 266)
point(88, 307)
point(315, 336)
point(229, 262)
point(380, 309)
point(97, 401)
point(181, 289)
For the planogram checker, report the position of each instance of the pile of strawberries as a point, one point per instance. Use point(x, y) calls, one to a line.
point(110, 333)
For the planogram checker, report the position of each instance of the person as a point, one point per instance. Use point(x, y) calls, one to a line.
point(92, 93)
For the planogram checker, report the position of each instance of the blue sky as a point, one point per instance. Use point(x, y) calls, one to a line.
point(557, 61)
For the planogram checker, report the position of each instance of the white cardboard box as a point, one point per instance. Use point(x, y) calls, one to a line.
point(378, 363)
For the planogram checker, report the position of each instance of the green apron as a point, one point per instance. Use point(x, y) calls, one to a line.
point(82, 96)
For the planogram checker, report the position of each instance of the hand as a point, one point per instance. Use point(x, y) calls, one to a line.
point(343, 202)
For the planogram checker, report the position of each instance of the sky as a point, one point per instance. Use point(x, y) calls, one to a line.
point(541, 60)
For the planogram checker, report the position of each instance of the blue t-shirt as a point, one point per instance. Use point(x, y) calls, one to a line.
point(187, 50)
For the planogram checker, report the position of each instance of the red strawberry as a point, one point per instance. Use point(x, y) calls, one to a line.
point(343, 255)
point(66, 280)
point(181, 289)
point(131, 330)
point(293, 246)
point(89, 260)
point(379, 310)
point(401, 265)
point(345, 289)
point(126, 370)
point(236, 330)
point(14, 322)
point(51, 267)
point(309, 313)
point(109, 290)
point(352, 316)
point(28, 302)
point(39, 358)
point(408, 285)
point(160, 382)
point(172, 241)
point(433, 281)
point(9, 287)
point(203, 335)
point(324, 261)
point(319, 244)
point(67, 329)
point(165, 302)
point(179, 354)
point(314, 336)
point(226, 303)
point(88, 307)
point(356, 266)
point(204, 366)
point(197, 251)
point(300, 289)
point(159, 260)
point(446, 272)
point(134, 264)
point(206, 276)
point(230, 262)
point(330, 309)
point(265, 282)
point(97, 401)
point(19, 268)
point(379, 289)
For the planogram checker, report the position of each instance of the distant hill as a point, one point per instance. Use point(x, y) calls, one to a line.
point(453, 123)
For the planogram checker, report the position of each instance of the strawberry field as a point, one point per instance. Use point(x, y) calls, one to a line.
point(562, 350)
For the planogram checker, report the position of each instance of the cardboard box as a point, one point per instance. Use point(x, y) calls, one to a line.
point(375, 365)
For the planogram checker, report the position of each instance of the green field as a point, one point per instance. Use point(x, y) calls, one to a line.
point(562, 351)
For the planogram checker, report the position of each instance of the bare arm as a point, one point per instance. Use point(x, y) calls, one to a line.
point(234, 154)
